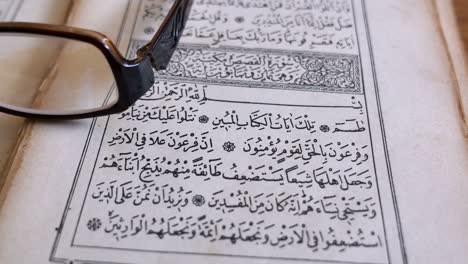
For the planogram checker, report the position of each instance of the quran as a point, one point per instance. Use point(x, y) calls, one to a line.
point(282, 131)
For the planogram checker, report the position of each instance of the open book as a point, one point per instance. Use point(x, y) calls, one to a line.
point(283, 131)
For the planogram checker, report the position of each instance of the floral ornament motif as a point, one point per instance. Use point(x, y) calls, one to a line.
point(94, 224)
point(181, 54)
point(177, 67)
point(229, 146)
point(330, 72)
point(324, 128)
point(203, 119)
point(198, 200)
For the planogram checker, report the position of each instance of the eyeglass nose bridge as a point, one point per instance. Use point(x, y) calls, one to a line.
point(162, 47)
point(133, 81)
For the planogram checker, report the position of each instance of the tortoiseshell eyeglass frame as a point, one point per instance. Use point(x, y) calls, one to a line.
point(133, 78)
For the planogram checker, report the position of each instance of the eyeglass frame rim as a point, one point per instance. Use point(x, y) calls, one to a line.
point(133, 77)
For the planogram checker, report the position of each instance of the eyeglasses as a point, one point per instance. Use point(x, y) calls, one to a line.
point(59, 72)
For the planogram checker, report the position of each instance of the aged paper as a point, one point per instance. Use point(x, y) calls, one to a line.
point(264, 141)
point(45, 11)
point(240, 150)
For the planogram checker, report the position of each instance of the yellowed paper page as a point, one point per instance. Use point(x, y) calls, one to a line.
point(282, 131)
point(33, 63)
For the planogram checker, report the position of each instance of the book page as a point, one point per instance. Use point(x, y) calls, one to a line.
point(305, 131)
point(36, 63)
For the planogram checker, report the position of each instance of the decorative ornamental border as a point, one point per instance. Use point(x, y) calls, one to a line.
point(263, 68)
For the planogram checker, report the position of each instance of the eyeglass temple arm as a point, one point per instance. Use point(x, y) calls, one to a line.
point(164, 43)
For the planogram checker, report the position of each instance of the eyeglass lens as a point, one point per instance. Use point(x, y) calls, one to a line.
point(50, 75)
